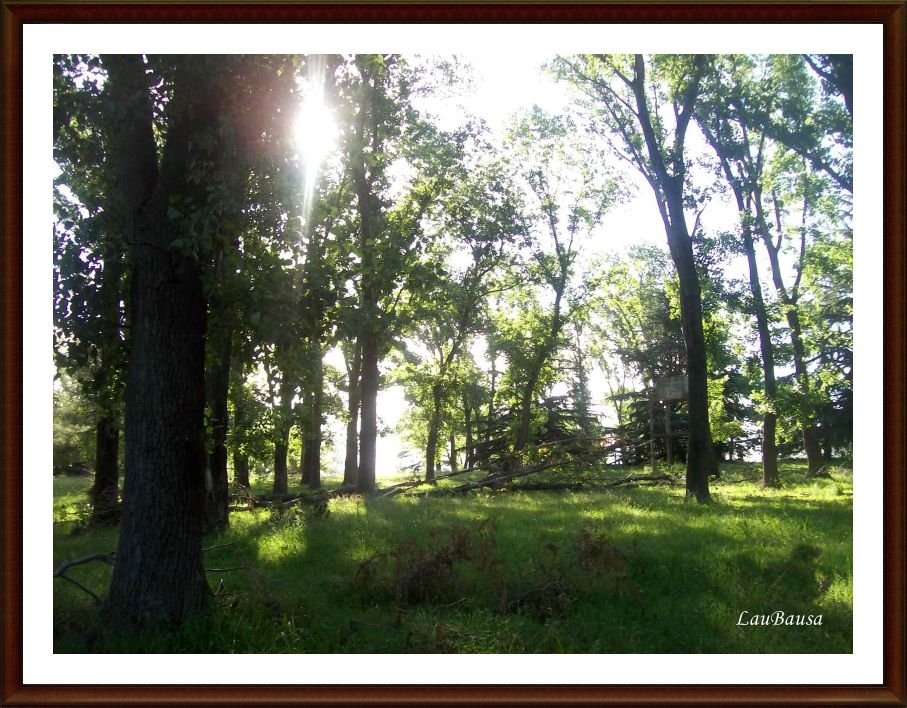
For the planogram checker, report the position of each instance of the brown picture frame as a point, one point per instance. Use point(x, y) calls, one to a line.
point(892, 16)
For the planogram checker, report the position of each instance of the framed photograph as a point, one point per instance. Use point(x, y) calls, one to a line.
point(570, 156)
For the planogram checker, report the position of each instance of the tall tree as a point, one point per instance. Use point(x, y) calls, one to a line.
point(631, 103)
point(159, 574)
point(741, 154)
point(572, 191)
point(89, 320)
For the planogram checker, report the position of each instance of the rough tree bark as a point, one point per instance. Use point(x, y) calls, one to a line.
point(105, 491)
point(159, 575)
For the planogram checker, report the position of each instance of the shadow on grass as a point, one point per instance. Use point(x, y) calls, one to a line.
point(635, 571)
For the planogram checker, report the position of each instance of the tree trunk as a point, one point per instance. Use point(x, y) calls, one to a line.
point(770, 475)
point(668, 188)
point(159, 576)
point(368, 432)
point(282, 439)
point(434, 427)
point(218, 385)
point(467, 419)
point(105, 506)
point(701, 461)
point(240, 460)
point(792, 315)
point(526, 400)
point(351, 461)
point(311, 443)
point(453, 452)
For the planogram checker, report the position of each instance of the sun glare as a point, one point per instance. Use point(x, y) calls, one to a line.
point(316, 131)
point(315, 135)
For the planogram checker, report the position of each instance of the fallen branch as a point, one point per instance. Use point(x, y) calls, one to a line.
point(636, 479)
point(285, 501)
point(248, 568)
point(107, 558)
point(60, 572)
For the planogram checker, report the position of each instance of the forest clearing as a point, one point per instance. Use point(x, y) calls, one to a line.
point(608, 332)
point(628, 570)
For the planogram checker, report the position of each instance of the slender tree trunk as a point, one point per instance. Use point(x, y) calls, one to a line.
point(105, 505)
point(808, 430)
point(668, 188)
point(434, 426)
point(770, 475)
point(469, 445)
point(311, 446)
point(159, 576)
point(453, 452)
point(368, 432)
point(218, 385)
point(351, 461)
point(282, 441)
point(240, 460)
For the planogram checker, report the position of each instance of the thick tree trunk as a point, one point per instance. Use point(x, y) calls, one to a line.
point(368, 431)
point(547, 348)
point(159, 576)
point(240, 469)
point(105, 505)
point(527, 398)
point(281, 478)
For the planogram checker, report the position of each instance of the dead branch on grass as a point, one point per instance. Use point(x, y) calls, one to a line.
point(60, 572)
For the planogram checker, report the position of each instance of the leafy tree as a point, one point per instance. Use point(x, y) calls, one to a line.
point(89, 268)
point(571, 191)
point(741, 153)
point(467, 260)
point(632, 99)
point(158, 574)
point(789, 109)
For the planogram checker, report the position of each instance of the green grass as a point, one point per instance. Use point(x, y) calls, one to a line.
point(633, 570)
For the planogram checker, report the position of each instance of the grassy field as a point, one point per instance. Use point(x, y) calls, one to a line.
point(625, 570)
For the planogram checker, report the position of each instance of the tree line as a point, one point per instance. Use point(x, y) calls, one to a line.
point(209, 278)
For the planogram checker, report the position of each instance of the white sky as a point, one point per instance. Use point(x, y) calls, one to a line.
point(41, 665)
